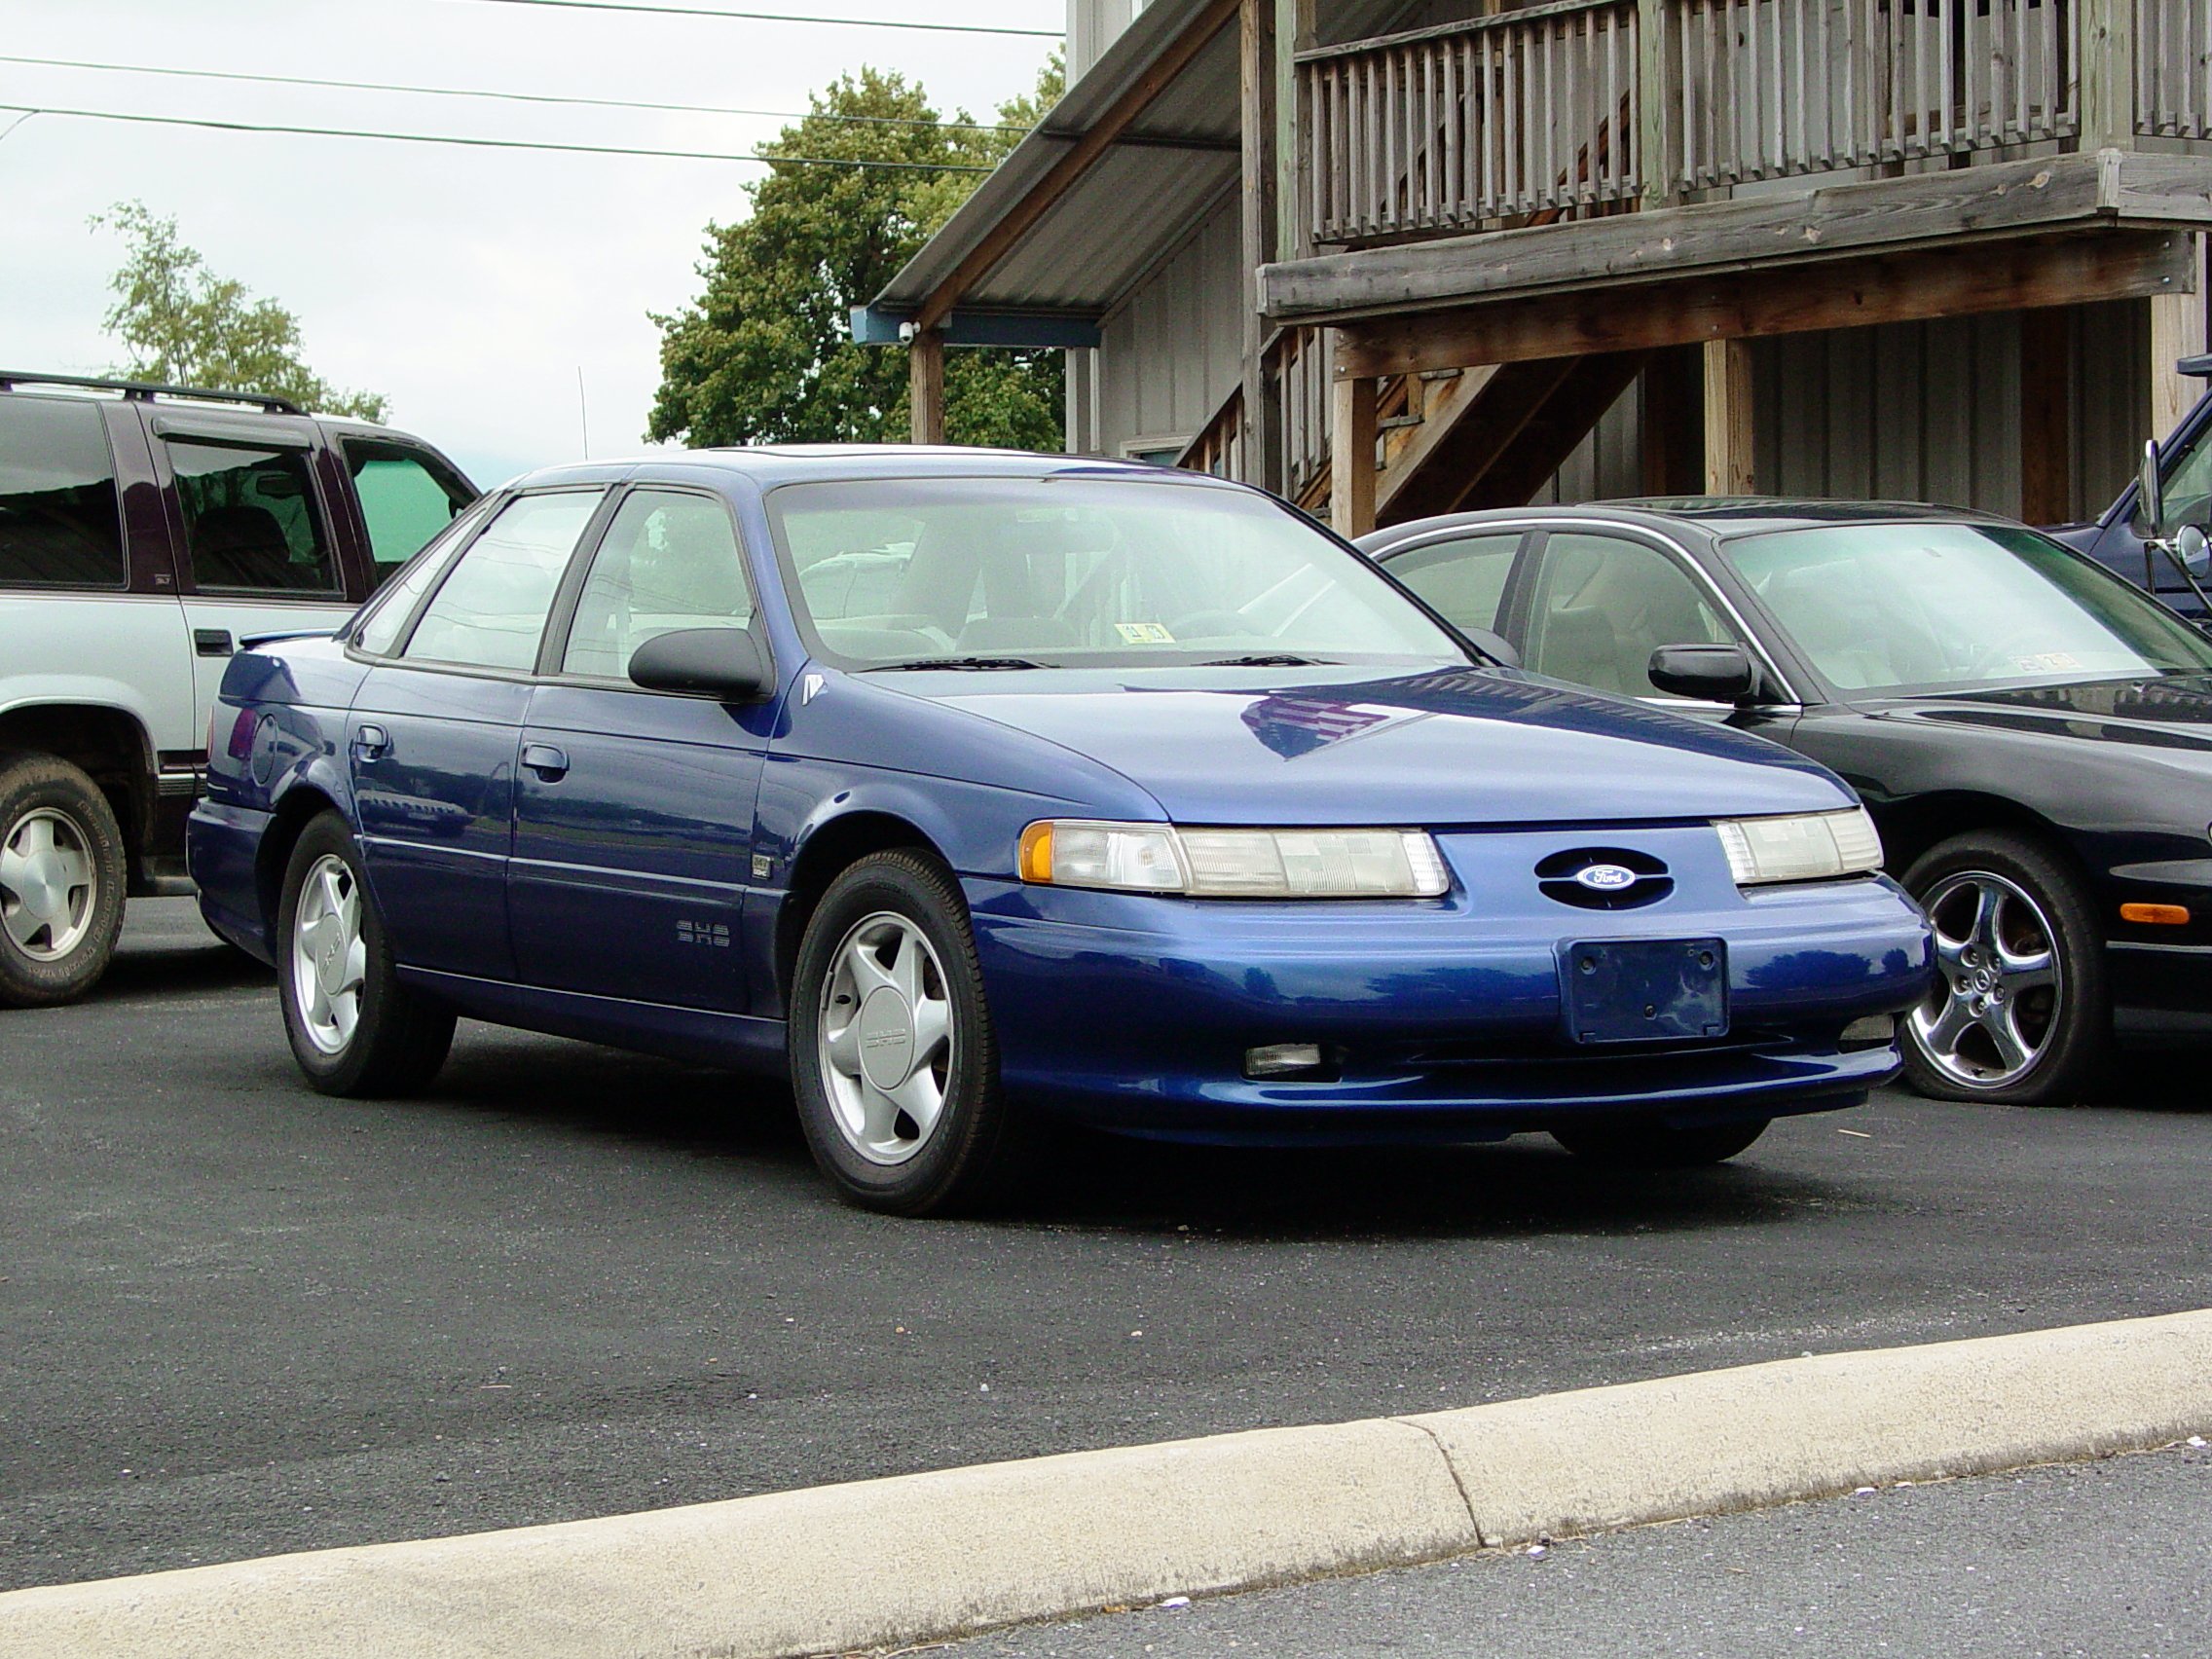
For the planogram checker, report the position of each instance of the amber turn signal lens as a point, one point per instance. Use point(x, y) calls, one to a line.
point(1037, 853)
point(2163, 915)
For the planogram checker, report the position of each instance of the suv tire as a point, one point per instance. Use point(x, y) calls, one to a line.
point(354, 1027)
point(62, 874)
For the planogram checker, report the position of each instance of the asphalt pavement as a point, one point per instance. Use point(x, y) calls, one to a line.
point(2094, 1560)
point(238, 1318)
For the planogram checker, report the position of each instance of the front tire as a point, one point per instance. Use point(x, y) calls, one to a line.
point(2019, 1014)
point(61, 880)
point(354, 1028)
point(1655, 1146)
point(892, 1056)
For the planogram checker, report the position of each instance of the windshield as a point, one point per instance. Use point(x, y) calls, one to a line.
point(1931, 607)
point(1062, 571)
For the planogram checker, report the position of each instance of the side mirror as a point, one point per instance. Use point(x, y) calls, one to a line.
point(2195, 550)
point(724, 663)
point(1495, 645)
point(2151, 499)
point(1711, 673)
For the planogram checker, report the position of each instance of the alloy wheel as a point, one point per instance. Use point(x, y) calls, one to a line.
point(330, 956)
point(49, 884)
point(1999, 989)
point(886, 1038)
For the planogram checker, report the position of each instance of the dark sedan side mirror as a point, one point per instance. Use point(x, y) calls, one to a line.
point(724, 663)
point(1495, 646)
point(1711, 673)
point(2151, 501)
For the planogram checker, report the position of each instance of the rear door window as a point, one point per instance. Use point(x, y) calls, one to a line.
point(58, 522)
point(405, 499)
point(490, 611)
point(1463, 578)
point(251, 522)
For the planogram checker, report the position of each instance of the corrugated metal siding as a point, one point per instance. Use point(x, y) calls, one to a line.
point(1607, 464)
point(1171, 349)
point(1930, 410)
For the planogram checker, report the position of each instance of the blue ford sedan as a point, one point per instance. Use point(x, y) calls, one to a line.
point(974, 789)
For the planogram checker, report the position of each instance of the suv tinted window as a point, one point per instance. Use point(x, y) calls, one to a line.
point(490, 611)
point(404, 501)
point(251, 523)
point(58, 525)
point(667, 561)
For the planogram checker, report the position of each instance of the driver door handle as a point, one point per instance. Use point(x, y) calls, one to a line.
point(547, 762)
point(371, 743)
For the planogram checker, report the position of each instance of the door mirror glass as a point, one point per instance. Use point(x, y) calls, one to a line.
point(2151, 503)
point(2195, 550)
point(1711, 673)
point(724, 663)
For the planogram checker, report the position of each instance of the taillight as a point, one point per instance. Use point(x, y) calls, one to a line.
point(241, 735)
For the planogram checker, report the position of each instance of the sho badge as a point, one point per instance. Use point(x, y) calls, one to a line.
point(714, 934)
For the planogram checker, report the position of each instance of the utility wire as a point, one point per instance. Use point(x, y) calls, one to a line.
point(781, 18)
point(29, 110)
point(514, 97)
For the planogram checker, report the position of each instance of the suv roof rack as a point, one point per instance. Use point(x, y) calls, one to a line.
point(142, 391)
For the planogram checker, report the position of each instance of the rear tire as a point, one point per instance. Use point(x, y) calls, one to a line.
point(1655, 1146)
point(892, 1056)
point(354, 1027)
point(62, 874)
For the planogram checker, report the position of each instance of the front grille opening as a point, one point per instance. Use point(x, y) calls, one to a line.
point(1557, 878)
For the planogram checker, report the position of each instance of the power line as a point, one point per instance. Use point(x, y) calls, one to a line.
point(29, 110)
point(515, 97)
point(780, 18)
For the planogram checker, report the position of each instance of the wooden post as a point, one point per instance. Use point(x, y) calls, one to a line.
point(1658, 102)
point(2046, 415)
point(1728, 464)
point(1262, 448)
point(1294, 33)
point(925, 370)
point(2177, 330)
point(2108, 74)
point(1351, 457)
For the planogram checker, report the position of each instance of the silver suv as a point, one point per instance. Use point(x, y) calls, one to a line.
point(147, 532)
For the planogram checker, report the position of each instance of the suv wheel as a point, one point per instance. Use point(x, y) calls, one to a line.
point(355, 1029)
point(61, 881)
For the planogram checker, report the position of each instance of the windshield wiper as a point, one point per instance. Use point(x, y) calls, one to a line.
point(1269, 659)
point(970, 662)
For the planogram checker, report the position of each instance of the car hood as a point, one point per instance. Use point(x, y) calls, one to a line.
point(2170, 712)
point(1456, 747)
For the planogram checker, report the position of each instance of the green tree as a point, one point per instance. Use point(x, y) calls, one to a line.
point(184, 325)
point(766, 354)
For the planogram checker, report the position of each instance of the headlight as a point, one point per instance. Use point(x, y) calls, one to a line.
point(1234, 864)
point(1812, 846)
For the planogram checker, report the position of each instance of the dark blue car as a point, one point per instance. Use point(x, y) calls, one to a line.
point(974, 789)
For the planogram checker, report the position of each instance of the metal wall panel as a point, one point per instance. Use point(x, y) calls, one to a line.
point(1172, 348)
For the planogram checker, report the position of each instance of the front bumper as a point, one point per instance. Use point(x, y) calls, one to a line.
point(1439, 1023)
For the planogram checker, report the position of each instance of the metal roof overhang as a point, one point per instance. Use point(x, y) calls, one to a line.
point(1099, 232)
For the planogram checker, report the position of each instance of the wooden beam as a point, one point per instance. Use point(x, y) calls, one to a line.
point(2035, 199)
point(1729, 469)
point(998, 241)
point(2046, 415)
point(1351, 457)
point(2177, 330)
point(1256, 74)
point(925, 386)
point(1899, 288)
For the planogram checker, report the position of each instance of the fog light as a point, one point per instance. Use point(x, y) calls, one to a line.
point(1874, 1028)
point(1282, 1059)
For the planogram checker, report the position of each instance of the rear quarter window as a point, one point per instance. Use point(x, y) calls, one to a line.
point(58, 522)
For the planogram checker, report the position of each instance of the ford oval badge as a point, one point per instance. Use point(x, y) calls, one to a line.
point(1605, 878)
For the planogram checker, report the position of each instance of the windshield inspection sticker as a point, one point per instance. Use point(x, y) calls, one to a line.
point(1144, 634)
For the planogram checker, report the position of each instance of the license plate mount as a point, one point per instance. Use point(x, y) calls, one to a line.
point(1645, 990)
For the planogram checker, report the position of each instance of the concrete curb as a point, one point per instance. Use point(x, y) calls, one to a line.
point(882, 1563)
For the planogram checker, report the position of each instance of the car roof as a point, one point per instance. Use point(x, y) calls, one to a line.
point(770, 464)
point(1719, 516)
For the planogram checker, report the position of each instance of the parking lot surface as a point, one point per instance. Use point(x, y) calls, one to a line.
point(2094, 1560)
point(237, 1317)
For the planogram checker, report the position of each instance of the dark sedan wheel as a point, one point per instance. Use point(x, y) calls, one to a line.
point(61, 879)
point(1655, 1146)
point(891, 1048)
point(2019, 1011)
point(355, 1029)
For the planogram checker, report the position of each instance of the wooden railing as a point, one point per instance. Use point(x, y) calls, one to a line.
point(1298, 375)
point(2173, 68)
point(1547, 111)
point(1449, 128)
point(1774, 88)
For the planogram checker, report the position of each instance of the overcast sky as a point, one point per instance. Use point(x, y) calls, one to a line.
point(467, 285)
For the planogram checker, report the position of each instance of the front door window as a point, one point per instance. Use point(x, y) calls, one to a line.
point(1604, 603)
